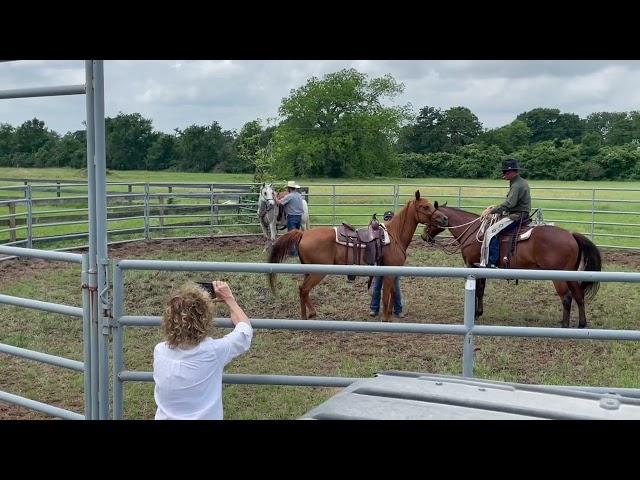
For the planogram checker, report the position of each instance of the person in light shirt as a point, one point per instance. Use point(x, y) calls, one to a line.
point(188, 365)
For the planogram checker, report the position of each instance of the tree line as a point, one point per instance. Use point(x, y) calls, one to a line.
point(347, 125)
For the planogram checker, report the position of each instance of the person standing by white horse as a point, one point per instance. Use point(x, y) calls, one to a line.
point(294, 207)
point(273, 215)
point(293, 204)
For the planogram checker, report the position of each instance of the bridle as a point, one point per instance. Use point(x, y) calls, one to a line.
point(456, 239)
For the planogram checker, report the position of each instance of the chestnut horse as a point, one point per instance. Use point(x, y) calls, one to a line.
point(318, 246)
point(548, 248)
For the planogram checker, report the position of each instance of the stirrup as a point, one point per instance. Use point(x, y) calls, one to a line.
point(490, 265)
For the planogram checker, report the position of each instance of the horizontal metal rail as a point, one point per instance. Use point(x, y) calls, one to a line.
point(247, 379)
point(40, 407)
point(395, 327)
point(43, 254)
point(39, 305)
point(43, 91)
point(361, 270)
point(42, 357)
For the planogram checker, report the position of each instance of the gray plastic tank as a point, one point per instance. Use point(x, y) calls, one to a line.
point(397, 395)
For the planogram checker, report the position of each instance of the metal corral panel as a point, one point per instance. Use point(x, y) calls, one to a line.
point(415, 396)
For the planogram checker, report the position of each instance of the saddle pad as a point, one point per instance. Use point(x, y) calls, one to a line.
point(385, 238)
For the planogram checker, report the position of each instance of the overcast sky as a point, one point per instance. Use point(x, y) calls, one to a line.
point(179, 93)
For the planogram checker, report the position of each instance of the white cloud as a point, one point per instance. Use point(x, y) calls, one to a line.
point(178, 93)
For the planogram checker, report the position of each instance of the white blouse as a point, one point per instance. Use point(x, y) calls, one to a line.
point(189, 381)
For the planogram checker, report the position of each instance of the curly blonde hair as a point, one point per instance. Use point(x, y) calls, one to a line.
point(188, 316)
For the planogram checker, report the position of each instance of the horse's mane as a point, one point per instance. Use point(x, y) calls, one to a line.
point(396, 223)
point(458, 210)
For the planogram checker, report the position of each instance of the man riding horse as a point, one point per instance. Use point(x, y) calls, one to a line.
point(514, 210)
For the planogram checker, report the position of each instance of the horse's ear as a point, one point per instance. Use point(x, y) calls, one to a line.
point(263, 184)
point(445, 203)
point(417, 194)
point(436, 204)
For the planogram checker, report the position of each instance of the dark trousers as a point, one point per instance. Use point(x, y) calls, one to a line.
point(494, 245)
point(294, 222)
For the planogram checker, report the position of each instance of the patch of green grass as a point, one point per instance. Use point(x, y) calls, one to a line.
point(332, 201)
point(427, 300)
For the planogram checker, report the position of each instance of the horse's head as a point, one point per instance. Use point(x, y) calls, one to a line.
point(431, 230)
point(427, 213)
point(266, 194)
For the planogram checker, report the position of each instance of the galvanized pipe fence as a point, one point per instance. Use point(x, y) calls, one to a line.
point(95, 310)
point(467, 329)
point(101, 212)
point(87, 367)
point(159, 210)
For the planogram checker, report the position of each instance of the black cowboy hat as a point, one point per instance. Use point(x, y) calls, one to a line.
point(510, 164)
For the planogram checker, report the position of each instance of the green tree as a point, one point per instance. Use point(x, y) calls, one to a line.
point(461, 127)
point(32, 136)
point(550, 124)
point(426, 135)
point(591, 143)
point(569, 126)
point(603, 123)
point(338, 126)
point(128, 138)
point(251, 139)
point(162, 152)
point(478, 161)
point(205, 148)
point(508, 138)
point(6, 139)
point(619, 161)
point(70, 151)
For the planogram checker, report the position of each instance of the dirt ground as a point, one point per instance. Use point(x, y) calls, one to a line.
point(11, 270)
point(546, 351)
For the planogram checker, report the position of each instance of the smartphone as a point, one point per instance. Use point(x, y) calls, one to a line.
point(208, 287)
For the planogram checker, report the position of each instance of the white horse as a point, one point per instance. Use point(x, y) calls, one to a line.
point(273, 217)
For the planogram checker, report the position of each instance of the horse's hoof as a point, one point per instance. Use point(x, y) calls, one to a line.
point(564, 325)
point(311, 316)
point(582, 326)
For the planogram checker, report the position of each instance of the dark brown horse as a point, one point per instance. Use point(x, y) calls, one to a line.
point(318, 246)
point(548, 248)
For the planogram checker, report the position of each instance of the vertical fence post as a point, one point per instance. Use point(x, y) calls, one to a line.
point(459, 196)
point(396, 197)
point(216, 208)
point(211, 203)
point(333, 211)
point(12, 221)
point(169, 198)
point(117, 342)
point(86, 339)
point(58, 189)
point(29, 219)
point(593, 213)
point(146, 211)
point(161, 211)
point(26, 184)
point(469, 320)
point(91, 204)
point(104, 309)
point(130, 190)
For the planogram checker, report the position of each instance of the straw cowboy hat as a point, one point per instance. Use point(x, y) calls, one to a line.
point(292, 184)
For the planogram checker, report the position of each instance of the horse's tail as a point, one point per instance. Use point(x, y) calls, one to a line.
point(280, 251)
point(591, 258)
point(306, 221)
